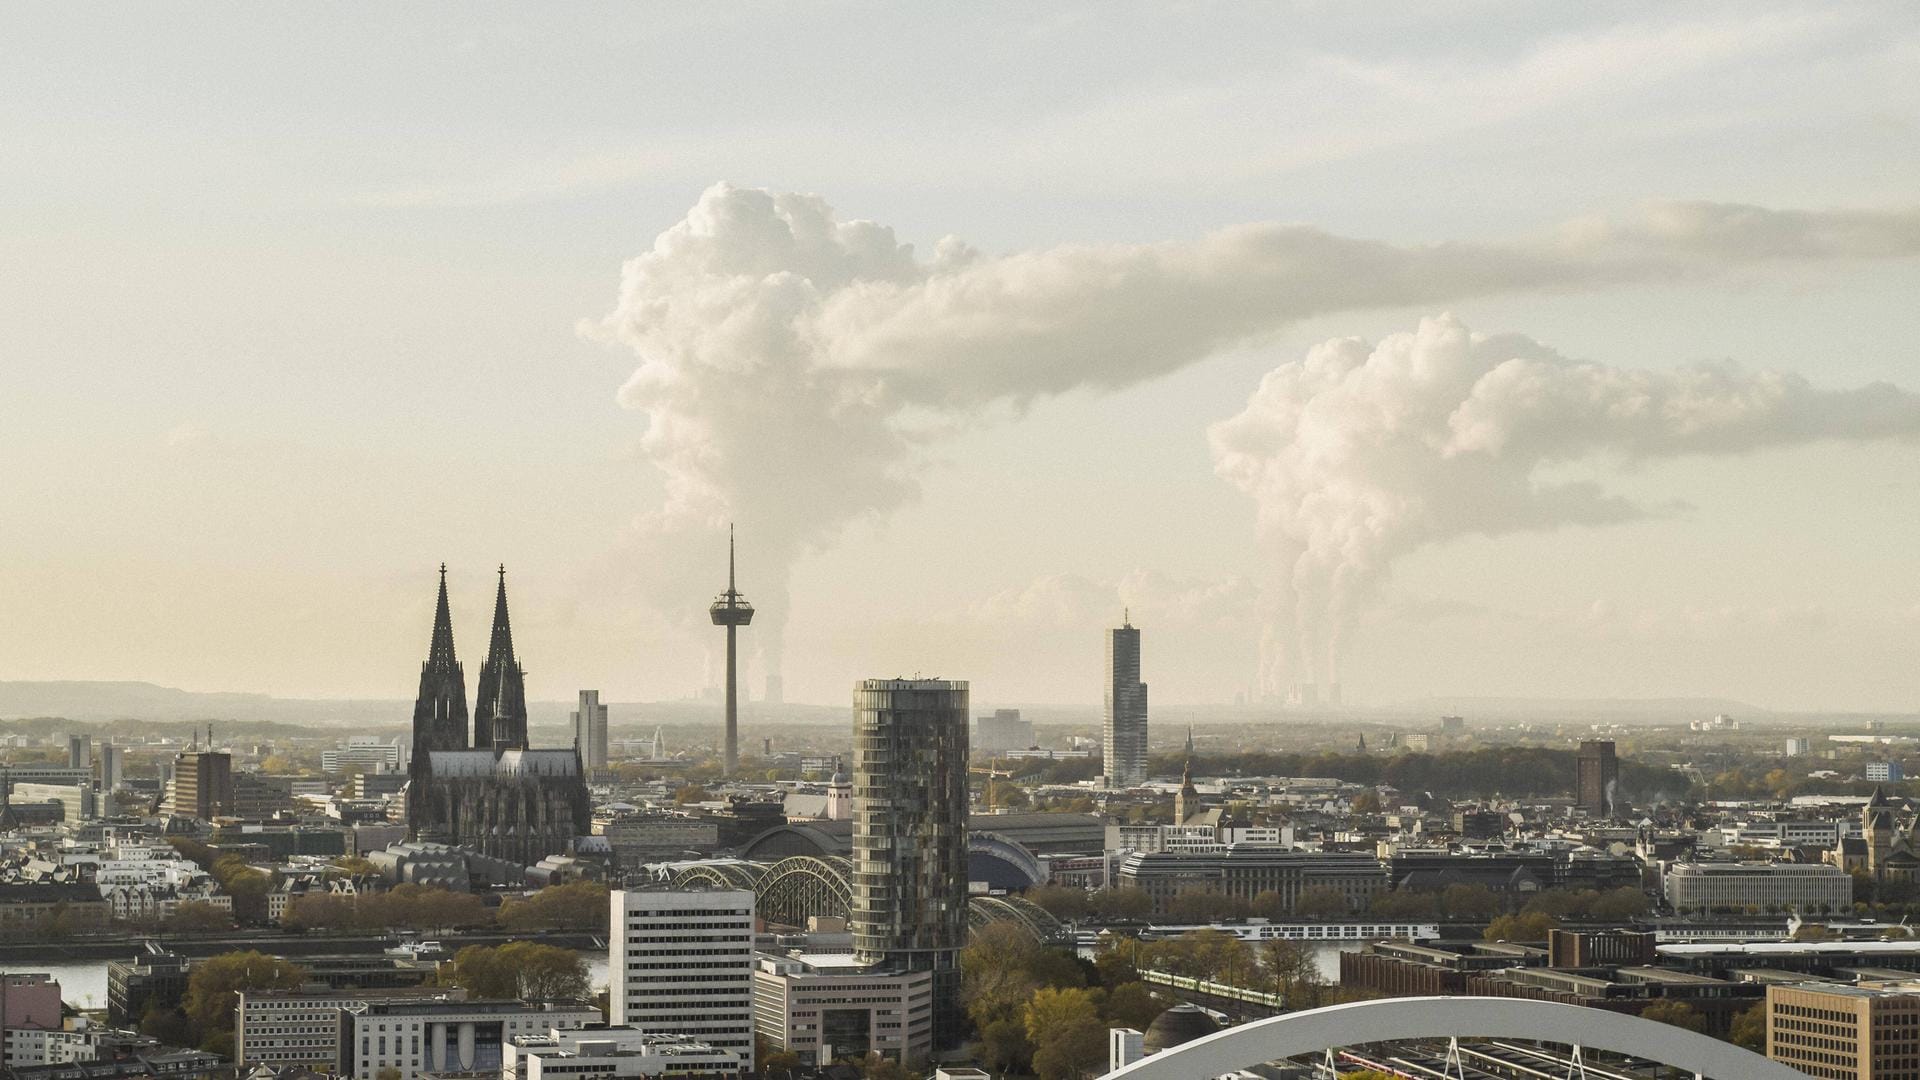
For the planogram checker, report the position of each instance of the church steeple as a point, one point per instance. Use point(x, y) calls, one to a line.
point(500, 701)
point(440, 710)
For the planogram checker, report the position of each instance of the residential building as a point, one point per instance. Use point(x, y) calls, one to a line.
point(29, 1003)
point(109, 764)
point(202, 785)
point(416, 1038)
point(595, 1052)
point(828, 1007)
point(909, 877)
point(80, 752)
point(1738, 886)
point(682, 964)
point(1125, 731)
point(1885, 772)
point(1798, 747)
point(1841, 1032)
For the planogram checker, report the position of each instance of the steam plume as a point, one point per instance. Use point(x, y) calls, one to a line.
point(792, 364)
point(1359, 454)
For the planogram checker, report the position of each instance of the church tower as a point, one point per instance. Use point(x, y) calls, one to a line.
point(440, 710)
point(1186, 802)
point(500, 701)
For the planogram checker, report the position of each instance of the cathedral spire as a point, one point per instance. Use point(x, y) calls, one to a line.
point(500, 701)
point(440, 709)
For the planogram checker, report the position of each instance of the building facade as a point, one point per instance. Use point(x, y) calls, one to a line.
point(202, 784)
point(1004, 730)
point(1803, 887)
point(826, 1009)
point(497, 796)
point(590, 732)
point(416, 1038)
point(1597, 779)
point(1125, 731)
point(682, 964)
point(301, 1028)
point(1841, 1032)
point(909, 876)
point(1246, 871)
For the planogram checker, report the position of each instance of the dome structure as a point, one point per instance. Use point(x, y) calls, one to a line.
point(1183, 1023)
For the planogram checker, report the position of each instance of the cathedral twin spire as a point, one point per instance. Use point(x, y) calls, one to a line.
point(500, 699)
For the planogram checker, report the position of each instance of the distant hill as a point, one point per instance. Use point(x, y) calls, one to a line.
point(1593, 709)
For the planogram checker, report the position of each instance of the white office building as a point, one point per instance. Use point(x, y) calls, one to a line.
point(414, 1038)
point(302, 1027)
point(1738, 886)
point(831, 1007)
point(682, 964)
point(590, 733)
point(596, 1052)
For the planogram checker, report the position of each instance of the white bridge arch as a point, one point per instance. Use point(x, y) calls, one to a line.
point(1394, 1019)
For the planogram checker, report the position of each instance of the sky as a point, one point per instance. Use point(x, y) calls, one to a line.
point(1435, 350)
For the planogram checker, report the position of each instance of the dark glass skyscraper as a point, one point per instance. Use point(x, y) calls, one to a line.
point(1126, 700)
point(910, 833)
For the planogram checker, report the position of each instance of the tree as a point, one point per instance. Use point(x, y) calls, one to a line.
point(1813, 932)
point(1321, 902)
point(1678, 1013)
point(1120, 904)
point(170, 1026)
point(1404, 904)
point(1530, 926)
point(578, 905)
point(1064, 1024)
point(1367, 802)
point(1004, 1047)
point(1293, 972)
point(1204, 954)
point(1131, 1005)
point(1204, 905)
point(690, 793)
point(213, 990)
point(1749, 1029)
point(196, 916)
point(1619, 905)
point(1060, 901)
point(1469, 902)
point(1002, 968)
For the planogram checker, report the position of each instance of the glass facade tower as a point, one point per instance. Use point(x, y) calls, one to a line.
point(1126, 700)
point(910, 834)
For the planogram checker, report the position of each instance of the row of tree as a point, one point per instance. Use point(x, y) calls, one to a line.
point(579, 905)
point(1463, 902)
point(1480, 772)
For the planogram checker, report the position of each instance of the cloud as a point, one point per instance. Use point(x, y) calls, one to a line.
point(793, 366)
point(1359, 454)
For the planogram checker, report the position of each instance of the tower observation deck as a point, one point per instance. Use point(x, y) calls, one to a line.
point(731, 610)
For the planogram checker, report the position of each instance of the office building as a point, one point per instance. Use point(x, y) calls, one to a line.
point(614, 1053)
point(1842, 1032)
point(590, 732)
point(301, 1028)
point(1760, 886)
point(831, 1007)
point(202, 785)
point(80, 752)
point(1004, 730)
point(1597, 779)
point(78, 802)
point(109, 764)
point(152, 978)
point(682, 964)
point(415, 1038)
point(1125, 732)
point(1246, 871)
point(1885, 772)
point(362, 754)
point(1798, 747)
point(910, 834)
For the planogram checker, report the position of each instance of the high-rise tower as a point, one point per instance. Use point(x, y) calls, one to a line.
point(500, 700)
point(732, 611)
point(1126, 701)
point(909, 881)
point(440, 710)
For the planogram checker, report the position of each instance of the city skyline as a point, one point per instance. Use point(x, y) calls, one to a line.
point(261, 349)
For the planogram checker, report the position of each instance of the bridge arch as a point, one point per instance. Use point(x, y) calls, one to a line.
point(1394, 1019)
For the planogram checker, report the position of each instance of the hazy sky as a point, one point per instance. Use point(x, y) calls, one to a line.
point(298, 301)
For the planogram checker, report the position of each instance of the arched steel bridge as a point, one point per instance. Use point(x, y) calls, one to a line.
point(1321, 1031)
point(799, 886)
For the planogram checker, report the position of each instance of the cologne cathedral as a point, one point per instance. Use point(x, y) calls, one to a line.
point(494, 794)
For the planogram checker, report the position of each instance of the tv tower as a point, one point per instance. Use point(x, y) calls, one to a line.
point(731, 610)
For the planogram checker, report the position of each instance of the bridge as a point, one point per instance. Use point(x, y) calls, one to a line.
point(1323, 1032)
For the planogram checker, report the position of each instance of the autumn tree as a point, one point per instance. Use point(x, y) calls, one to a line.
point(214, 988)
point(1321, 902)
point(1064, 1025)
point(198, 916)
point(578, 905)
point(1749, 1028)
point(1528, 926)
point(524, 970)
point(1002, 968)
point(1678, 1013)
point(1119, 903)
point(1293, 972)
point(1060, 901)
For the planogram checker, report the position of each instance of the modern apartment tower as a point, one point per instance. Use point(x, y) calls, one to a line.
point(682, 964)
point(590, 732)
point(910, 834)
point(1126, 701)
point(732, 611)
point(1597, 778)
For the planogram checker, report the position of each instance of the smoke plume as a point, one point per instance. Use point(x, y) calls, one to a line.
point(1359, 454)
point(793, 365)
